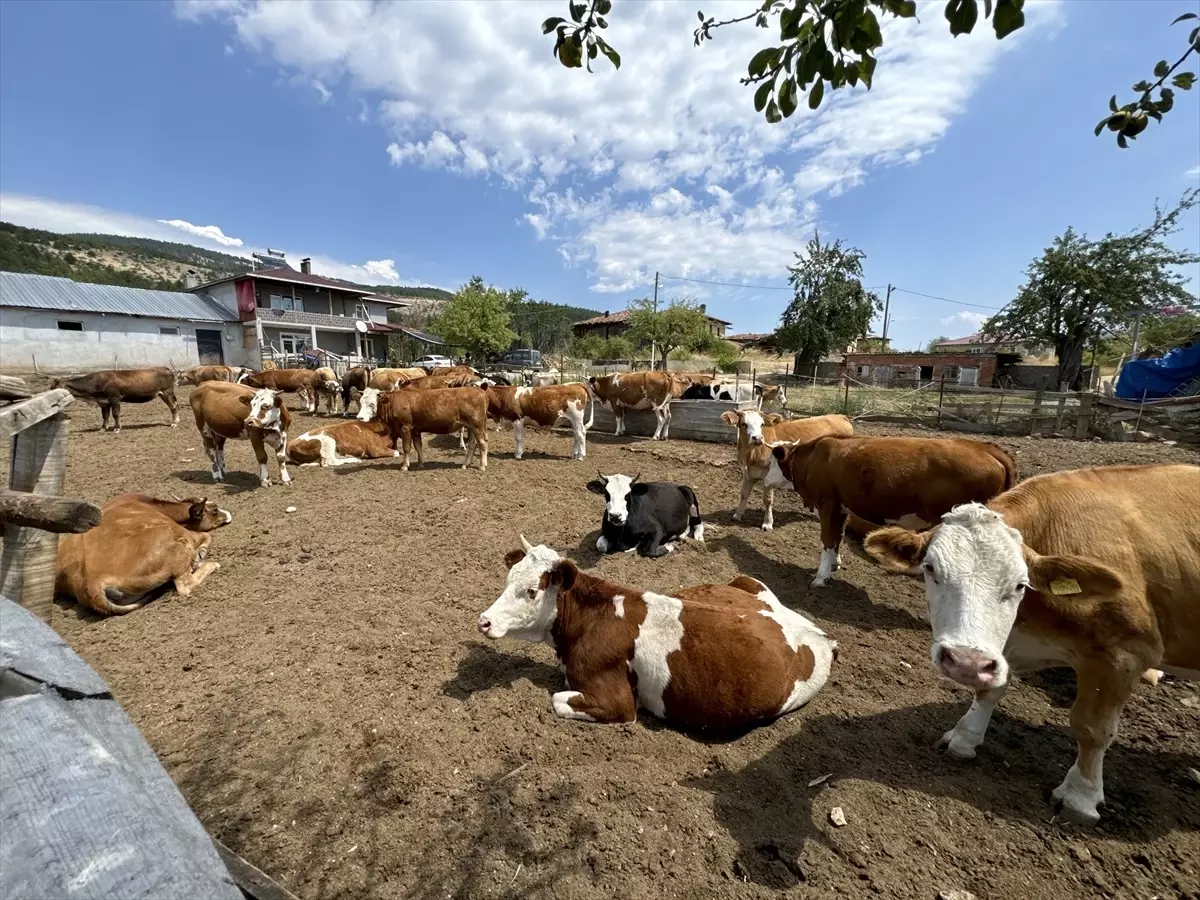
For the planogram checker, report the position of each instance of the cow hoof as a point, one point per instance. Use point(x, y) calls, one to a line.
point(174, 424)
point(396, 454)
point(737, 517)
point(266, 483)
point(820, 582)
point(954, 746)
point(767, 526)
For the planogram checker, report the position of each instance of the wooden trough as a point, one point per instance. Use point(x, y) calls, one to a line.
point(691, 420)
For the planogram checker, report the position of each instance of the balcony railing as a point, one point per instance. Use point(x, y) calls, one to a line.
point(294, 317)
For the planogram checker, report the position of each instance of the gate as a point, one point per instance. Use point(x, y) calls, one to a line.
point(208, 345)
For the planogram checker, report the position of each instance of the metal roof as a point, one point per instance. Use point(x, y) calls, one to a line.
point(64, 295)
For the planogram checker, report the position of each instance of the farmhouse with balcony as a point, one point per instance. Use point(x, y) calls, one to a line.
point(285, 312)
point(613, 324)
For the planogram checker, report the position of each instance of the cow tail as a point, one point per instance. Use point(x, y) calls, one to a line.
point(1010, 469)
point(695, 525)
point(102, 600)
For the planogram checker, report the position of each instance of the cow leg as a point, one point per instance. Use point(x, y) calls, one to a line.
point(768, 523)
point(744, 499)
point(472, 446)
point(1102, 688)
point(211, 448)
point(185, 584)
point(116, 414)
point(619, 415)
point(419, 440)
point(579, 432)
point(962, 740)
point(833, 523)
point(260, 453)
point(660, 426)
point(608, 698)
point(168, 397)
point(279, 442)
point(406, 440)
point(462, 438)
point(519, 436)
point(666, 410)
point(104, 410)
point(652, 546)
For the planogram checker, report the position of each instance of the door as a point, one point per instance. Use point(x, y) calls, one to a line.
point(208, 345)
point(291, 344)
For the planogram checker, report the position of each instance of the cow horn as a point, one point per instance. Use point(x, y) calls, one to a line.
point(528, 546)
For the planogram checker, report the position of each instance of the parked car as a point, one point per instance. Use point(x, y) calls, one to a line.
point(525, 359)
point(433, 361)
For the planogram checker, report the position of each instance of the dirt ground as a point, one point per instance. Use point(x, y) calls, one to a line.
point(328, 710)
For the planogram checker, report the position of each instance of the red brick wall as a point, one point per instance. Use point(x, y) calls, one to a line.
point(985, 362)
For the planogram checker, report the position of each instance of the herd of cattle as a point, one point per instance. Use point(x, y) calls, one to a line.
point(1096, 569)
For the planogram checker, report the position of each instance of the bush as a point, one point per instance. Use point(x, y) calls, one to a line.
point(618, 348)
point(725, 354)
point(590, 347)
point(680, 354)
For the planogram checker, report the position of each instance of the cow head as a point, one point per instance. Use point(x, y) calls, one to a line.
point(527, 608)
point(615, 489)
point(265, 409)
point(205, 516)
point(752, 421)
point(977, 569)
point(368, 404)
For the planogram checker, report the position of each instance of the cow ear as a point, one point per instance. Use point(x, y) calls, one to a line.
point(898, 549)
point(772, 419)
point(731, 418)
point(279, 399)
point(596, 486)
point(196, 510)
point(512, 557)
point(1066, 575)
point(779, 451)
point(563, 574)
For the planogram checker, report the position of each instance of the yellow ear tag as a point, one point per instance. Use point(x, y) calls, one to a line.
point(1062, 586)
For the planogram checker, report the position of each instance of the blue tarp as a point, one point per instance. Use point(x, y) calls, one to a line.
point(1153, 378)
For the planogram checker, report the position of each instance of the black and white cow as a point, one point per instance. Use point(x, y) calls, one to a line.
point(646, 517)
point(736, 390)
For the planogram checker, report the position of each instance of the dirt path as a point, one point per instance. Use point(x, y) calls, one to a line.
point(329, 711)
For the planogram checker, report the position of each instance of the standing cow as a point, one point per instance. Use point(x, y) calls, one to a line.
point(543, 406)
point(200, 374)
point(303, 382)
point(408, 414)
point(109, 388)
point(230, 411)
point(637, 390)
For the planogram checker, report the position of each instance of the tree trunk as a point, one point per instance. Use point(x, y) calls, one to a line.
point(1070, 361)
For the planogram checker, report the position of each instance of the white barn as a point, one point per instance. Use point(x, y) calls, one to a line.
point(55, 323)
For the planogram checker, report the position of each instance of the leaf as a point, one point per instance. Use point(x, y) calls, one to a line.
point(1112, 103)
point(866, 70)
point(1185, 17)
point(1142, 86)
point(1161, 68)
point(758, 62)
point(1184, 81)
point(601, 21)
point(815, 95)
point(603, 7)
point(550, 24)
point(962, 15)
point(761, 95)
point(592, 51)
point(577, 11)
point(1121, 142)
point(870, 24)
point(787, 97)
point(1008, 17)
point(612, 55)
point(700, 15)
point(1100, 127)
point(773, 115)
point(1194, 37)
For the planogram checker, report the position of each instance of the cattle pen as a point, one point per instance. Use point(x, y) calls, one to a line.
point(328, 710)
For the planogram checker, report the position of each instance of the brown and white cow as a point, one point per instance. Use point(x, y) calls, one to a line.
point(200, 374)
point(408, 414)
point(1096, 569)
point(341, 443)
point(885, 479)
point(453, 370)
point(328, 387)
point(229, 411)
point(354, 382)
point(303, 382)
point(109, 388)
point(720, 656)
point(390, 379)
point(543, 406)
point(448, 380)
point(141, 544)
point(756, 433)
point(637, 390)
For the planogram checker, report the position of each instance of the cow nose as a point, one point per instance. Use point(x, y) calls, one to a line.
point(756, 441)
point(971, 668)
point(483, 625)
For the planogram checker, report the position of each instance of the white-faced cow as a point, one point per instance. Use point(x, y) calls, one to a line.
point(1096, 569)
point(140, 545)
point(756, 433)
point(647, 517)
point(109, 388)
point(543, 406)
point(713, 656)
point(200, 374)
point(637, 390)
point(229, 411)
point(341, 443)
point(409, 413)
point(885, 479)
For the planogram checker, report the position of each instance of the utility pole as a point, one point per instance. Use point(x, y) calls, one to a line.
point(652, 366)
point(1137, 335)
point(886, 304)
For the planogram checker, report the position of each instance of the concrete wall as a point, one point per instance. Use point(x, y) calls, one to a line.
point(132, 340)
point(937, 361)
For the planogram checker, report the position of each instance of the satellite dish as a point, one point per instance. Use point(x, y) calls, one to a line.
point(360, 326)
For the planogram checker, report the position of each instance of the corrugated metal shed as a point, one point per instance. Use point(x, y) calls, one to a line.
point(65, 295)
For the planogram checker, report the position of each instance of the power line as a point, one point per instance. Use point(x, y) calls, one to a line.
point(948, 300)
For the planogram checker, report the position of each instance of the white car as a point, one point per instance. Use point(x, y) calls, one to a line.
point(433, 362)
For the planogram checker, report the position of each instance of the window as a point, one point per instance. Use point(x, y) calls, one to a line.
point(950, 373)
point(282, 301)
point(168, 329)
point(69, 326)
point(294, 343)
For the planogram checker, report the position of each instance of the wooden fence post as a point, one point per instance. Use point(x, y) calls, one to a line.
point(941, 397)
point(1035, 412)
point(1060, 413)
point(1083, 421)
point(37, 465)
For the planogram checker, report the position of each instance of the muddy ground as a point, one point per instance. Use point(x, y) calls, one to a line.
point(328, 710)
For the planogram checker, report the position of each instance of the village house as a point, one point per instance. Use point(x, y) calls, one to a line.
point(977, 344)
point(613, 324)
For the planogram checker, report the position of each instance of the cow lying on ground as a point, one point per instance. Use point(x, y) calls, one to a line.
point(201, 374)
point(341, 443)
point(739, 391)
point(756, 433)
point(407, 414)
point(453, 370)
point(140, 545)
point(543, 406)
point(1097, 569)
point(303, 382)
point(637, 390)
point(647, 517)
point(230, 411)
point(109, 388)
point(884, 479)
point(720, 656)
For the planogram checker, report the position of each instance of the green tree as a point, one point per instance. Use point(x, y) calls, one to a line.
point(680, 324)
point(1163, 332)
point(540, 325)
point(833, 43)
point(725, 354)
point(1079, 289)
point(589, 346)
point(830, 307)
point(618, 347)
point(476, 319)
point(932, 346)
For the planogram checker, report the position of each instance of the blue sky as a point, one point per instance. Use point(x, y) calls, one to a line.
point(424, 142)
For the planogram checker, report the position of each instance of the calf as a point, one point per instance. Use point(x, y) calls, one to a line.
point(327, 387)
point(140, 545)
point(637, 390)
point(229, 411)
point(542, 406)
point(1096, 569)
point(408, 414)
point(109, 388)
point(647, 517)
point(882, 479)
point(756, 433)
point(719, 656)
point(737, 391)
point(357, 379)
point(341, 443)
point(200, 374)
point(303, 382)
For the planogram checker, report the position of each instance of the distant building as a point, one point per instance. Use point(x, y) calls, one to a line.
point(613, 324)
point(765, 341)
point(976, 343)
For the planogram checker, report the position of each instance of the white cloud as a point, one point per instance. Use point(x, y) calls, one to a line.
point(965, 321)
point(1193, 172)
point(211, 232)
point(228, 50)
point(663, 164)
point(364, 111)
point(323, 92)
